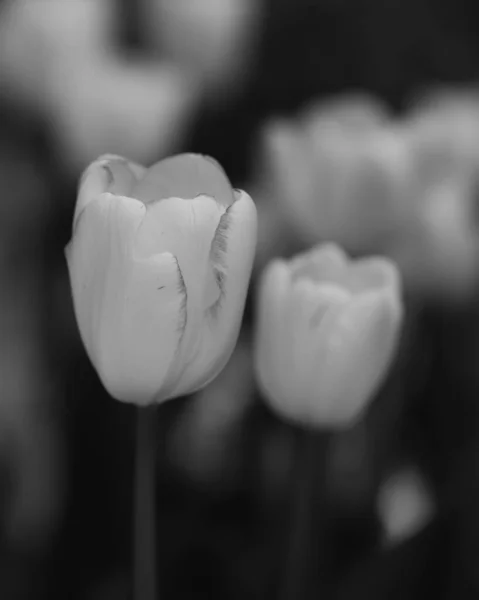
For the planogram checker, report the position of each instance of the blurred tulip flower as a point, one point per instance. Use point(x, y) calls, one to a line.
point(62, 59)
point(35, 37)
point(405, 505)
point(212, 39)
point(159, 264)
point(327, 332)
point(437, 248)
point(338, 172)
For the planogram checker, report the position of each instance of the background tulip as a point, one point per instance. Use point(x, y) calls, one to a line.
point(437, 246)
point(159, 263)
point(327, 332)
point(62, 60)
point(337, 172)
point(213, 39)
point(405, 505)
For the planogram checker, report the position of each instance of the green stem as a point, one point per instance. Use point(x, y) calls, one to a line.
point(145, 500)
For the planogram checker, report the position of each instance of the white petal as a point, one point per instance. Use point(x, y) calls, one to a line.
point(142, 340)
point(323, 263)
point(312, 307)
point(373, 273)
point(109, 173)
point(272, 344)
point(129, 309)
point(354, 351)
point(137, 169)
point(232, 255)
point(91, 251)
point(186, 228)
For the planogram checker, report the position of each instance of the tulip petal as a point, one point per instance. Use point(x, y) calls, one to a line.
point(130, 310)
point(324, 263)
point(185, 176)
point(355, 347)
point(231, 257)
point(148, 328)
point(109, 173)
point(373, 273)
point(273, 358)
point(186, 228)
point(91, 246)
point(312, 306)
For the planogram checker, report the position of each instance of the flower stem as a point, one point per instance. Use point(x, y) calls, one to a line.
point(305, 560)
point(145, 496)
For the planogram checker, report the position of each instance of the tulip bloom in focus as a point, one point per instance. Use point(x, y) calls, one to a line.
point(328, 328)
point(159, 263)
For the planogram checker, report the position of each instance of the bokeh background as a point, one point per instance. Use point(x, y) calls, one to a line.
point(355, 121)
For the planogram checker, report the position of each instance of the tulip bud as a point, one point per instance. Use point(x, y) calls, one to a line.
point(328, 328)
point(159, 263)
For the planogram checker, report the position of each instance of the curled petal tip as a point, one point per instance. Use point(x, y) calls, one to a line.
point(104, 158)
point(109, 173)
point(94, 181)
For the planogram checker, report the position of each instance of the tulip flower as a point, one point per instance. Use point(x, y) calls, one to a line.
point(328, 328)
point(159, 264)
point(405, 505)
point(338, 172)
point(213, 39)
point(437, 249)
point(62, 59)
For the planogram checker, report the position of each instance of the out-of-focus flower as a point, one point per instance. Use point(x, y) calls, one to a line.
point(61, 58)
point(437, 248)
point(159, 263)
point(338, 172)
point(35, 37)
point(406, 189)
point(214, 40)
point(448, 120)
point(326, 335)
point(142, 111)
point(405, 505)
